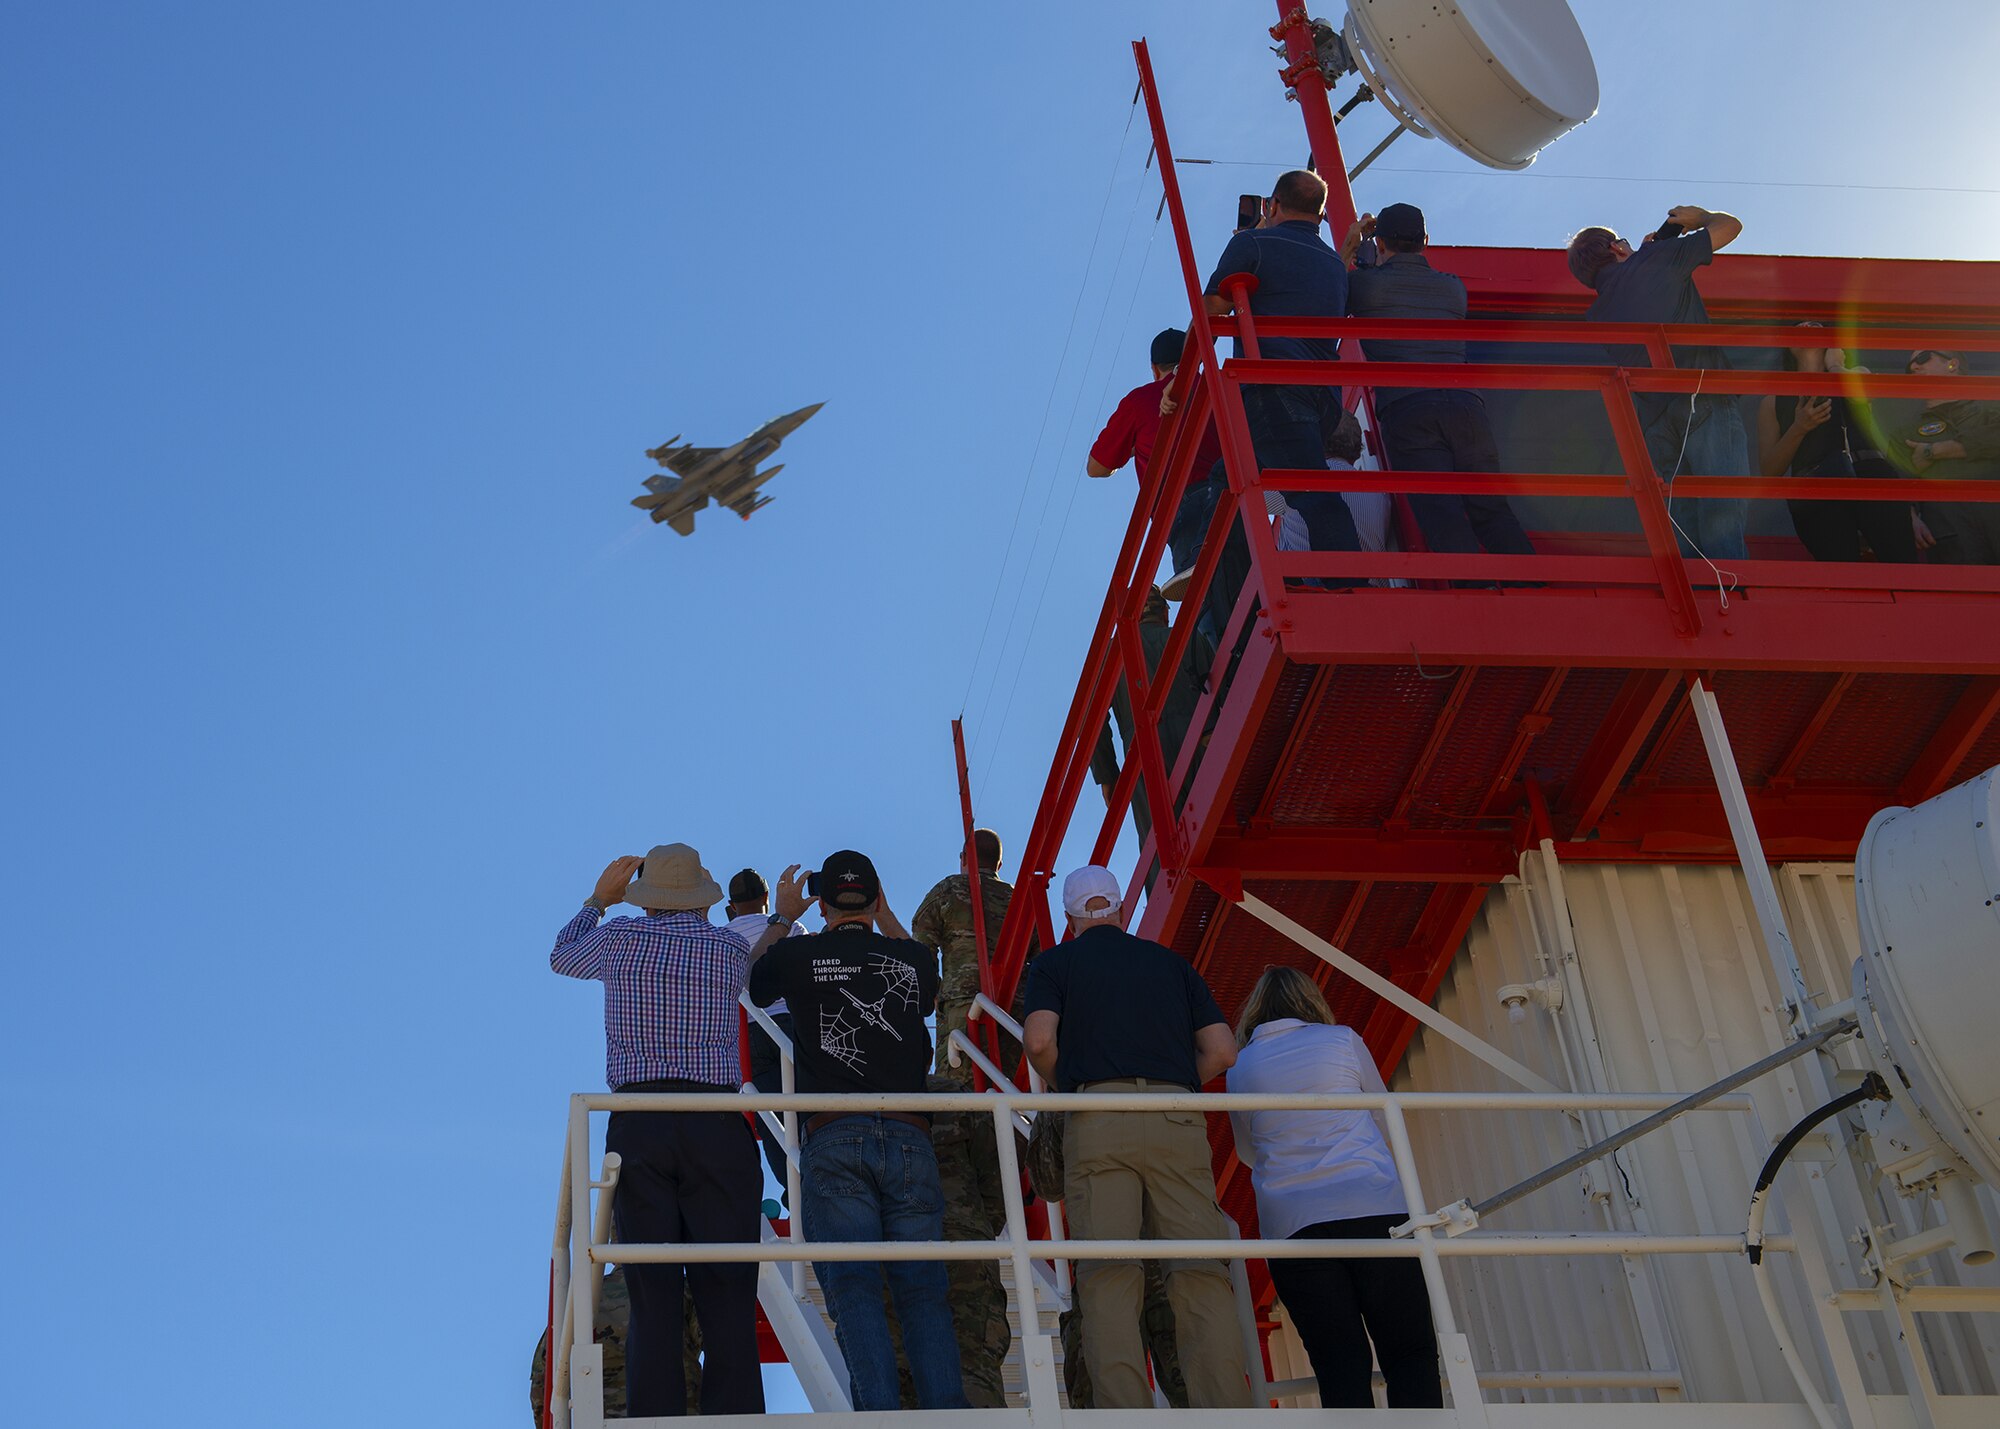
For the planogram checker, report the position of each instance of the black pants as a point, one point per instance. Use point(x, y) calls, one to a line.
point(1836, 530)
point(767, 1076)
point(1449, 431)
point(1340, 1305)
point(689, 1177)
point(1968, 533)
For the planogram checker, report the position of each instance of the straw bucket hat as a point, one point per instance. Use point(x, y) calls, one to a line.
point(672, 877)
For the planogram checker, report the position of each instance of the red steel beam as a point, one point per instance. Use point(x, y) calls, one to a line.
point(1295, 740)
point(1399, 813)
point(1659, 338)
point(1749, 286)
point(1974, 710)
point(1363, 854)
point(1785, 772)
point(1804, 824)
point(1778, 629)
point(1632, 715)
point(1527, 730)
point(1440, 930)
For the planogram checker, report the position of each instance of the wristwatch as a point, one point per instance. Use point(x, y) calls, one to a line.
point(593, 905)
point(777, 920)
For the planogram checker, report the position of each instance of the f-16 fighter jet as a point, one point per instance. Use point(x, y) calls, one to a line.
point(728, 476)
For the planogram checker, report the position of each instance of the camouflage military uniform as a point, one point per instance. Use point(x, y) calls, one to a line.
point(614, 1314)
point(1156, 1318)
point(944, 922)
point(969, 1175)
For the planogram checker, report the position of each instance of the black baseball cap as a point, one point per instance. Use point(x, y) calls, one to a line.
point(748, 887)
point(1400, 223)
point(847, 880)
point(1167, 347)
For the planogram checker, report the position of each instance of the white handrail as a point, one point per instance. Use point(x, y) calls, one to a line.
point(587, 1244)
point(786, 1124)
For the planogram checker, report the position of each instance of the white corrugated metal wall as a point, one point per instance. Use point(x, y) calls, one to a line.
point(1675, 991)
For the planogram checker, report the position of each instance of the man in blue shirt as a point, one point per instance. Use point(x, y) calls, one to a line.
point(1298, 275)
point(1427, 428)
point(1697, 436)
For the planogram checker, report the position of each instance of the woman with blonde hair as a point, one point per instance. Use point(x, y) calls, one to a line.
point(1328, 1175)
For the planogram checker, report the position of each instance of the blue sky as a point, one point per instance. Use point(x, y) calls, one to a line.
point(332, 340)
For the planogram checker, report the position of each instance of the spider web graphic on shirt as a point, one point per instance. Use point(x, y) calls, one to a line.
point(839, 1038)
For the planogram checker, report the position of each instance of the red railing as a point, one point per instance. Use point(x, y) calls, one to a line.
point(1207, 389)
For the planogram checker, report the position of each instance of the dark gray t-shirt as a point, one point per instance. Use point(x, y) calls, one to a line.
point(1129, 1008)
point(1656, 285)
point(1404, 285)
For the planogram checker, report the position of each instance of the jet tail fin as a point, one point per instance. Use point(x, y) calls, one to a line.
point(683, 523)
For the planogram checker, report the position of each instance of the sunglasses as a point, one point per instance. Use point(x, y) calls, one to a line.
point(1918, 359)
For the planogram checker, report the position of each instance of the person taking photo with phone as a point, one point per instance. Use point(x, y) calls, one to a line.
point(859, 992)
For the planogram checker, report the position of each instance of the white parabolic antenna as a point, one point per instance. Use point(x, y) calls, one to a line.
point(1498, 80)
point(1927, 885)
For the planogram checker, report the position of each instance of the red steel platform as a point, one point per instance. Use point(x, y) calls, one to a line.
point(1379, 757)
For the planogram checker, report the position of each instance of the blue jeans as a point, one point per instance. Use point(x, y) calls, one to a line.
point(866, 1177)
point(1714, 445)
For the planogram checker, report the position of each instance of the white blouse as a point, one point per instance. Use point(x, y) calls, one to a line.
point(1312, 1166)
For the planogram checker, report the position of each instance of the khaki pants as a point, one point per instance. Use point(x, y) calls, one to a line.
point(1132, 1175)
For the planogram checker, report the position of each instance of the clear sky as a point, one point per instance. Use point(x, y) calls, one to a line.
point(339, 664)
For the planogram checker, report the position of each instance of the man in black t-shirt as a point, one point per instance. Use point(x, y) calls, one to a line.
point(1108, 1011)
point(858, 999)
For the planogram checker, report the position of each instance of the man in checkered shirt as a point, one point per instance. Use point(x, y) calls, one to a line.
point(671, 980)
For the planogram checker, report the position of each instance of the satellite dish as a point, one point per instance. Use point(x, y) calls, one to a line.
point(1498, 80)
point(1927, 886)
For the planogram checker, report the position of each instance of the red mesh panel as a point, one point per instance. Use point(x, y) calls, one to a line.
point(1879, 730)
point(1765, 712)
point(1286, 709)
point(1364, 736)
point(1454, 788)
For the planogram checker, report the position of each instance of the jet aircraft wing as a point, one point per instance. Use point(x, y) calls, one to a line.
point(685, 459)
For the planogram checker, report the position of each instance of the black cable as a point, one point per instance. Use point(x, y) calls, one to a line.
point(1874, 1089)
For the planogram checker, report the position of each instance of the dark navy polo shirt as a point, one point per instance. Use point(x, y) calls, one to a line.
point(1298, 276)
point(1656, 285)
point(1129, 1008)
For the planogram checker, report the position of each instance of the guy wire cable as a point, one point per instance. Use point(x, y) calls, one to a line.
point(1034, 622)
point(1062, 450)
point(1048, 406)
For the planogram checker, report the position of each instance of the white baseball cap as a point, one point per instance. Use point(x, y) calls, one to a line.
point(1086, 883)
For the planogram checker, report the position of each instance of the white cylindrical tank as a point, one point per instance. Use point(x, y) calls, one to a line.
point(1927, 885)
point(1498, 80)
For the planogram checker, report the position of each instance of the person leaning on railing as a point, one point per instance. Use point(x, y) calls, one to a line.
point(671, 982)
point(1110, 1012)
point(1328, 1175)
point(1953, 439)
point(859, 998)
point(1829, 437)
point(1685, 436)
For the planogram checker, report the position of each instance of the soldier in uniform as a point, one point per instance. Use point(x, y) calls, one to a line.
point(944, 922)
point(968, 1161)
point(1950, 439)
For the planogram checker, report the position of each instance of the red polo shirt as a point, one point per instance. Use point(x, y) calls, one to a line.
point(1134, 423)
